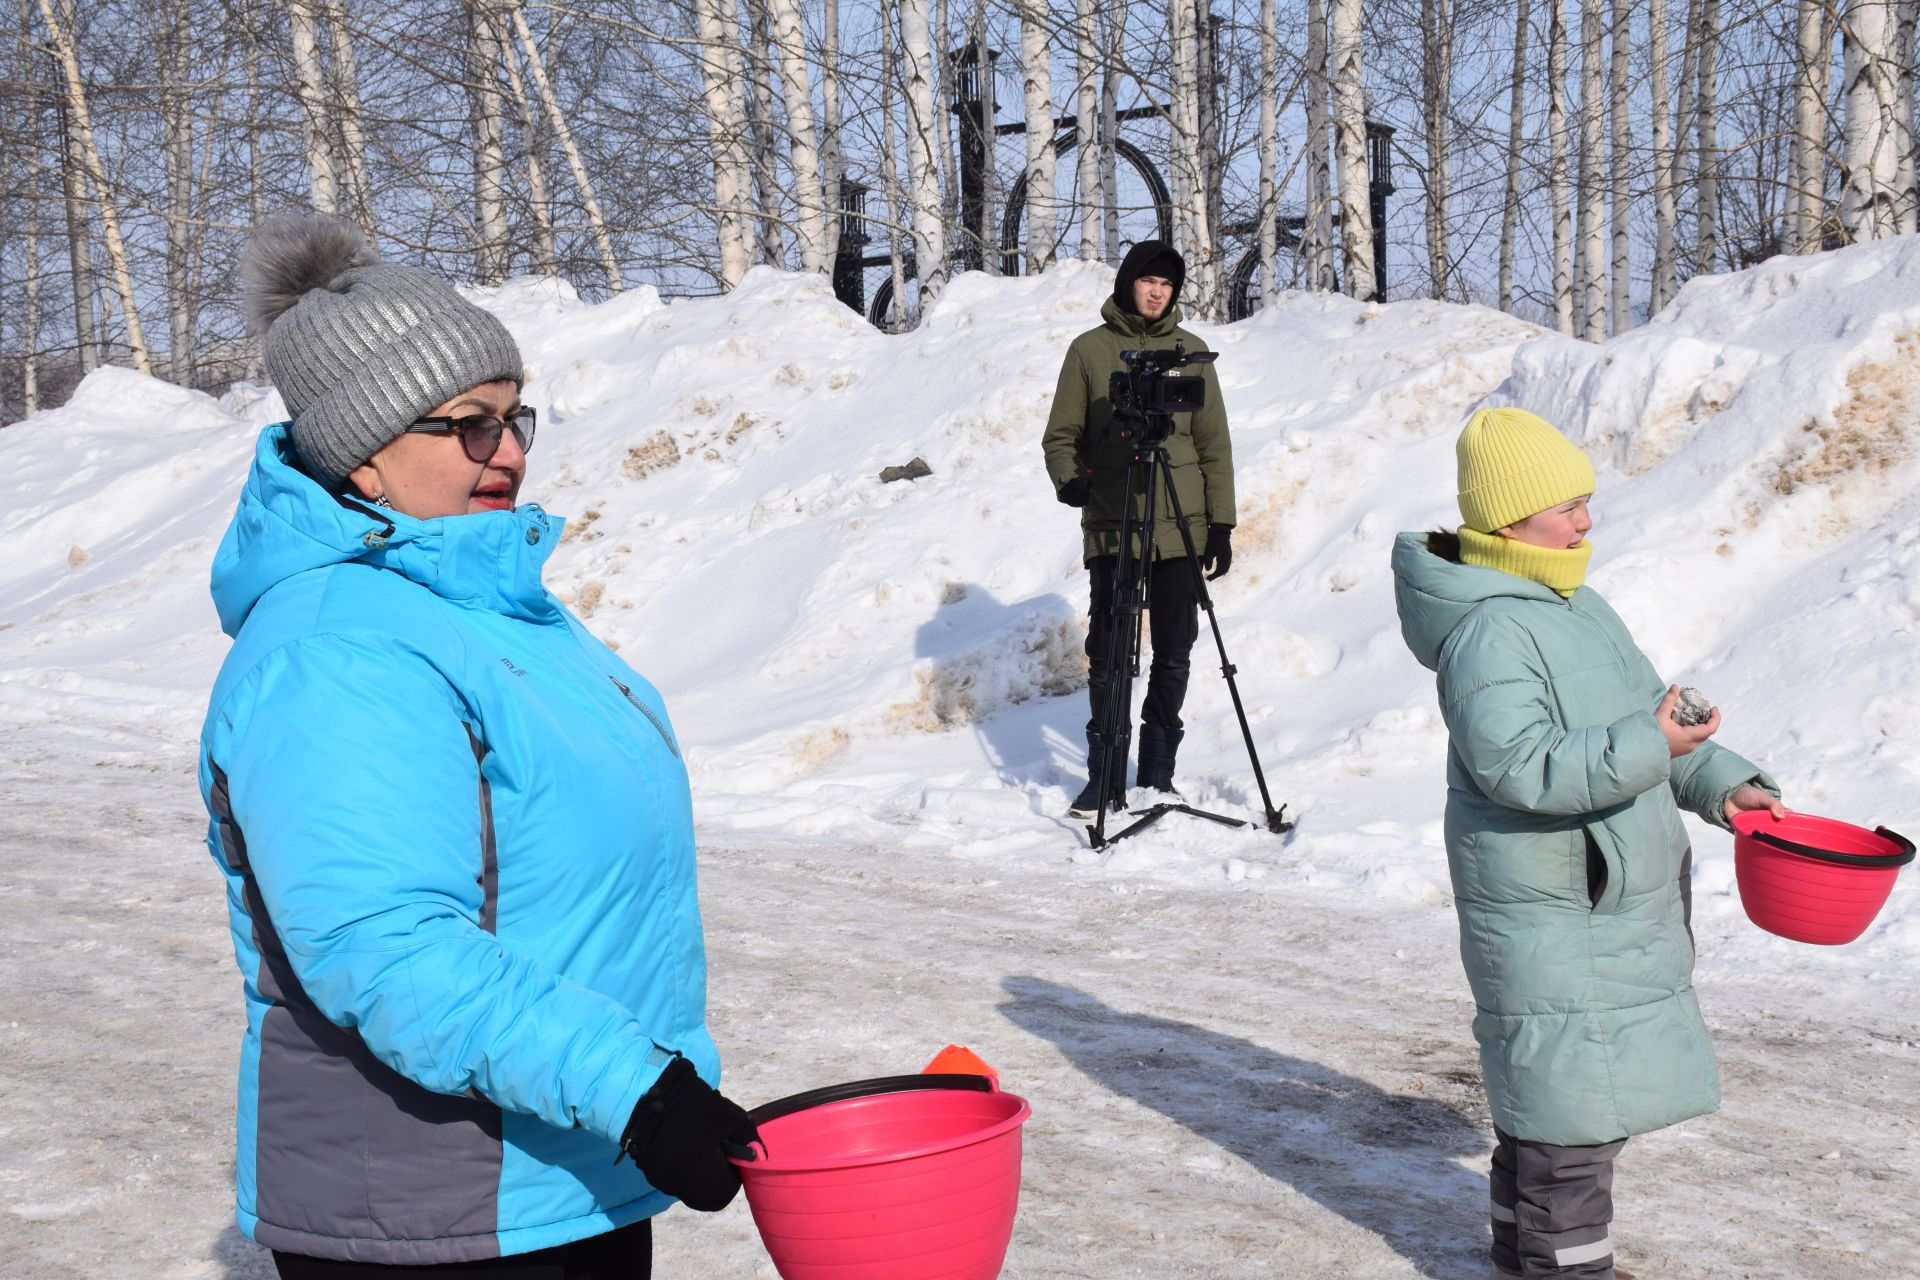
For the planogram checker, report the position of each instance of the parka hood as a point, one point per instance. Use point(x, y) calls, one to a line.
point(1145, 255)
point(1434, 595)
point(287, 524)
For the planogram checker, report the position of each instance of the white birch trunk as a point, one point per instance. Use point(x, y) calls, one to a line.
point(1664, 281)
point(1869, 202)
point(923, 174)
point(1906, 131)
point(890, 163)
point(1269, 153)
point(30, 308)
point(1436, 92)
point(1557, 169)
point(562, 134)
point(1706, 97)
point(1350, 146)
point(766, 160)
point(546, 254)
point(988, 247)
point(1116, 15)
point(726, 134)
point(833, 156)
point(97, 178)
point(1086, 119)
point(1813, 73)
point(1621, 307)
point(1183, 130)
point(1685, 124)
point(311, 88)
point(489, 117)
point(803, 139)
point(353, 145)
point(941, 70)
point(1317, 235)
point(1592, 256)
point(178, 151)
point(1036, 73)
point(1516, 137)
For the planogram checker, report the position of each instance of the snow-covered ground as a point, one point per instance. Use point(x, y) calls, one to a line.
point(1246, 1053)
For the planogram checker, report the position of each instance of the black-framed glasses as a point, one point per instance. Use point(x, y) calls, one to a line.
point(480, 432)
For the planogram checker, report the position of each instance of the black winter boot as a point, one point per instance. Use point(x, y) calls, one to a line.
point(1087, 802)
point(1158, 746)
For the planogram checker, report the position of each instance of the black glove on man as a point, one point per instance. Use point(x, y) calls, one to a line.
point(1076, 491)
point(1218, 557)
point(675, 1134)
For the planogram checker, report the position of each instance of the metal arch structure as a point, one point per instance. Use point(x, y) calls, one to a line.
point(1065, 140)
point(1240, 299)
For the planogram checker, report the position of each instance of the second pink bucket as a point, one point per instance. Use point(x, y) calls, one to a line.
point(903, 1178)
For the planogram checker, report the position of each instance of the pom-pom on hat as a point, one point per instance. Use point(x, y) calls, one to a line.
point(1514, 464)
point(358, 347)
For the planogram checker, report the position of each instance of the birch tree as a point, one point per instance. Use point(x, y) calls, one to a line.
point(1036, 59)
point(1869, 203)
point(1557, 168)
point(923, 174)
point(726, 131)
point(1591, 256)
point(1269, 241)
point(1665, 281)
point(803, 146)
point(1516, 137)
point(310, 79)
point(1906, 130)
point(1436, 93)
point(1621, 304)
point(1188, 200)
point(563, 135)
point(1318, 232)
point(1706, 100)
point(489, 117)
point(1812, 80)
point(1350, 145)
point(175, 38)
point(890, 166)
point(546, 254)
point(1086, 119)
point(760, 129)
point(833, 156)
point(97, 178)
point(353, 145)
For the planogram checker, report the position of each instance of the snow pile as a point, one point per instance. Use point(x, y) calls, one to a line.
point(900, 664)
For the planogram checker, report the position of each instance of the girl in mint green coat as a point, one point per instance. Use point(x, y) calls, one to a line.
point(1566, 772)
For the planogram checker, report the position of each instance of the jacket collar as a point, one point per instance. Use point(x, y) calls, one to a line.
point(287, 523)
point(1130, 324)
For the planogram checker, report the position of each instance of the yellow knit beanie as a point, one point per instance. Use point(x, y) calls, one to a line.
point(1513, 464)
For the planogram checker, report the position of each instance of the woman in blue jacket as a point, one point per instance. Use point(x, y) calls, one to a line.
point(455, 828)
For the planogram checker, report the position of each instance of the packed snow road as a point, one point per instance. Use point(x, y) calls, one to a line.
point(1225, 1083)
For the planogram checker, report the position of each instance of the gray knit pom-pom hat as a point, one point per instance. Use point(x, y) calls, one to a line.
point(358, 347)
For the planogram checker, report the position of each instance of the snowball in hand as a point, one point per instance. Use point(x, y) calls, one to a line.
point(1692, 708)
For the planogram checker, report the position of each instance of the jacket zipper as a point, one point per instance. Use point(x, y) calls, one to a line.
point(647, 711)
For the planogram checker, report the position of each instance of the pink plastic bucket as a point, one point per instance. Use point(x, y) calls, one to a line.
point(904, 1178)
point(1814, 879)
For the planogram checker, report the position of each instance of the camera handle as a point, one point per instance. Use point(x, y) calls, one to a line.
point(1132, 589)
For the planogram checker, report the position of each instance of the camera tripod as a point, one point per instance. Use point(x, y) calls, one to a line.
point(1132, 588)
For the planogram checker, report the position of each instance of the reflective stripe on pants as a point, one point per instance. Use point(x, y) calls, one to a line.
point(1552, 1208)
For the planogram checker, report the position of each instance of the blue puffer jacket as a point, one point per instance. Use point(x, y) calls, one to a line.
point(458, 845)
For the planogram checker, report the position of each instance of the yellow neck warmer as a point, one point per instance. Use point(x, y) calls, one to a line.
point(1562, 569)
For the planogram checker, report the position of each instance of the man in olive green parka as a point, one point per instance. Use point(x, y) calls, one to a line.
point(1087, 455)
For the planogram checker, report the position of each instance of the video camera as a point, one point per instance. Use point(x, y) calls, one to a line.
point(1145, 393)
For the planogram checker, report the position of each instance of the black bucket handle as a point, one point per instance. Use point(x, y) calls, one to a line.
point(847, 1092)
point(1877, 861)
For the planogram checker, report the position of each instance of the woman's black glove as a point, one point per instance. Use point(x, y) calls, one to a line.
point(1218, 557)
point(675, 1135)
point(1076, 491)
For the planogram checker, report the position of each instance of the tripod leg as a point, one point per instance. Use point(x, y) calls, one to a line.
point(1276, 821)
point(1114, 732)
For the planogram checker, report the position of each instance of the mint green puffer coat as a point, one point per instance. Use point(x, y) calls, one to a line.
point(1587, 1022)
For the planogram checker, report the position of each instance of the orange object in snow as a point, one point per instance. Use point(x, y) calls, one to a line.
point(959, 1060)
